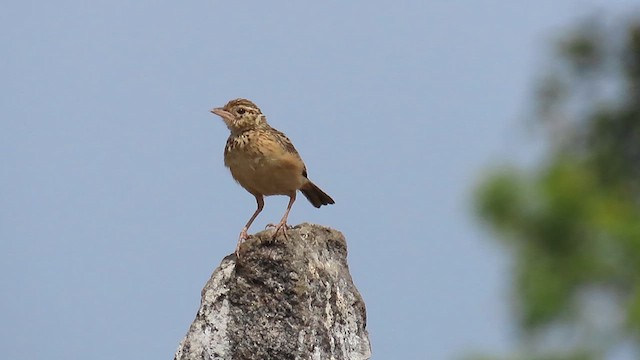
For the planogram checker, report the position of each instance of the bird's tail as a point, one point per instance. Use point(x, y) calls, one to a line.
point(315, 196)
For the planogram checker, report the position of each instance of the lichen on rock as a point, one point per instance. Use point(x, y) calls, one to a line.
point(283, 299)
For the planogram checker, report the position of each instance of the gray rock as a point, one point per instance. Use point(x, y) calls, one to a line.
point(283, 299)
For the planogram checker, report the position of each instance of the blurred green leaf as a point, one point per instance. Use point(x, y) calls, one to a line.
point(573, 223)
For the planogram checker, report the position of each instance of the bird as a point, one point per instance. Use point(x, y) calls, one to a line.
point(264, 162)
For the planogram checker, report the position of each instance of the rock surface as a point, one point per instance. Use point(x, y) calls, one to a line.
point(283, 299)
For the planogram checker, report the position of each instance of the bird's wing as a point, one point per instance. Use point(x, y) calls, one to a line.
point(284, 141)
point(287, 146)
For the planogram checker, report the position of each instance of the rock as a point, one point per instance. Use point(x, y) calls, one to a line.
point(283, 299)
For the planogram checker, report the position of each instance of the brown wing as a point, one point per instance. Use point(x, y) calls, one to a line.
point(286, 144)
point(284, 141)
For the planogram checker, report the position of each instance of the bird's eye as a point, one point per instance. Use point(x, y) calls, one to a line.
point(241, 111)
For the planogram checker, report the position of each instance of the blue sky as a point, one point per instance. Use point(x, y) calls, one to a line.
point(116, 206)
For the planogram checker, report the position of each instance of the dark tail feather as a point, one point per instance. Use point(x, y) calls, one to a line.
point(315, 196)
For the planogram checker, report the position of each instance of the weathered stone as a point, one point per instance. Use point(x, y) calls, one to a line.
point(283, 299)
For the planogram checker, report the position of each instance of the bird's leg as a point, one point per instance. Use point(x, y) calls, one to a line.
point(282, 225)
point(243, 233)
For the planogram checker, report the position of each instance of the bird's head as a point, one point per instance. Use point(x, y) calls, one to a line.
point(240, 115)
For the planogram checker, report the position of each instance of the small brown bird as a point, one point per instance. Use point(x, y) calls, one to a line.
point(264, 161)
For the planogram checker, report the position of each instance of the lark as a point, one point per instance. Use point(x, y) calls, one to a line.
point(264, 162)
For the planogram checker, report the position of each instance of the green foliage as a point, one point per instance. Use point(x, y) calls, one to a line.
point(573, 223)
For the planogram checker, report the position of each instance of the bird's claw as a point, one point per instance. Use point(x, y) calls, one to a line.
point(243, 236)
point(281, 226)
point(271, 225)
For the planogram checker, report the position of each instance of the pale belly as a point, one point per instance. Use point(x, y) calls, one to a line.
point(266, 176)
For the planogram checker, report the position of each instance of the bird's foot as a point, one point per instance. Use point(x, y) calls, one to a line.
point(281, 226)
point(243, 236)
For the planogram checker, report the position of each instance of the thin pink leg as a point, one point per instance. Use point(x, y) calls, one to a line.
point(283, 222)
point(243, 233)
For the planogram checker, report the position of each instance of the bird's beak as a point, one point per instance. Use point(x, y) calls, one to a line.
point(225, 115)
